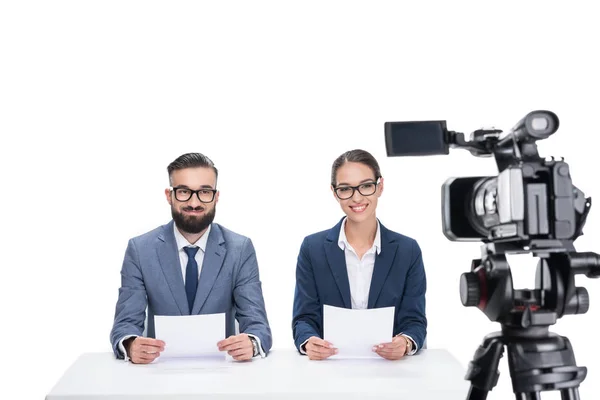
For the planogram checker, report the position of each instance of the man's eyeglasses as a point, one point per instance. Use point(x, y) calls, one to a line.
point(346, 192)
point(184, 194)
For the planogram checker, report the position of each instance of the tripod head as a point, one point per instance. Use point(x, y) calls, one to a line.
point(489, 287)
point(531, 206)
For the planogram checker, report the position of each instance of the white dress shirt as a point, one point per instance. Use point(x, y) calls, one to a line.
point(360, 272)
point(182, 243)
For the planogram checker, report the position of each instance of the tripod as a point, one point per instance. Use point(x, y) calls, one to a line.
point(538, 360)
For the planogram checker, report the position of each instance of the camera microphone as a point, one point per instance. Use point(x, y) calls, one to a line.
point(536, 125)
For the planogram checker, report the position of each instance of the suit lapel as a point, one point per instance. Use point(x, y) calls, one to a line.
point(383, 264)
point(337, 264)
point(211, 266)
point(171, 267)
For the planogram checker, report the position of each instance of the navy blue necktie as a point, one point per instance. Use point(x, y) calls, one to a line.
point(191, 275)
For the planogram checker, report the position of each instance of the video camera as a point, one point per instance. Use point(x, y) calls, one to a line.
point(530, 206)
point(532, 203)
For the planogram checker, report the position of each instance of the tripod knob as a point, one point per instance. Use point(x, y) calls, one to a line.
point(579, 303)
point(583, 300)
point(470, 293)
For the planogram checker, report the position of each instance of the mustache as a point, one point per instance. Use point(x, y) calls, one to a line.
point(199, 208)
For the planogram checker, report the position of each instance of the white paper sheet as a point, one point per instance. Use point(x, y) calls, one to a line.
point(190, 335)
point(355, 332)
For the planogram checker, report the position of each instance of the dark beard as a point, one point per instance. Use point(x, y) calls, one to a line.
point(193, 224)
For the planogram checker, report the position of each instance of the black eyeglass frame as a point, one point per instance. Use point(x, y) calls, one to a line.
point(192, 192)
point(355, 188)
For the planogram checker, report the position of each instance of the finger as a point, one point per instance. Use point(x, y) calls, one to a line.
point(149, 341)
point(390, 355)
point(238, 343)
point(243, 356)
point(142, 353)
point(146, 348)
point(143, 358)
point(237, 338)
point(232, 339)
point(320, 342)
point(322, 350)
point(393, 346)
point(314, 356)
point(149, 349)
point(238, 352)
point(390, 345)
point(389, 350)
point(150, 357)
point(236, 346)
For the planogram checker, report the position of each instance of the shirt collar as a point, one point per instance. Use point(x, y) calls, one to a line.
point(182, 241)
point(343, 241)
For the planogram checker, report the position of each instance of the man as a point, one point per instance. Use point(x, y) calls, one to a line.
point(190, 266)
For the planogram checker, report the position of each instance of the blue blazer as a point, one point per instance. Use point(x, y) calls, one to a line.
point(229, 283)
point(321, 278)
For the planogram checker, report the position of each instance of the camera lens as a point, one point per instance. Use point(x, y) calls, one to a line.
point(482, 208)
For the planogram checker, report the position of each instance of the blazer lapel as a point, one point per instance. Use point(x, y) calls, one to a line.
point(337, 264)
point(383, 263)
point(171, 266)
point(211, 266)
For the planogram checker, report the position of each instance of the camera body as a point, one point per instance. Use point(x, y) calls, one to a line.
point(531, 203)
point(525, 203)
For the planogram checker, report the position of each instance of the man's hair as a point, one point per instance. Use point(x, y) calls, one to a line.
point(357, 156)
point(191, 160)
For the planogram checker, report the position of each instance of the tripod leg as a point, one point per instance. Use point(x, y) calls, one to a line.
point(483, 369)
point(569, 394)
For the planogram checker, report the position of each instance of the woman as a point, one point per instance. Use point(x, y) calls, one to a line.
point(359, 264)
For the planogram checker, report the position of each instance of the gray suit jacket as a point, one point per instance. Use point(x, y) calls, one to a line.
point(229, 283)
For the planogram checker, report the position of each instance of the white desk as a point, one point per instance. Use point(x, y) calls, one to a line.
point(430, 375)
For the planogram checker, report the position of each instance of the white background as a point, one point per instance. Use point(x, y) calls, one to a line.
point(97, 98)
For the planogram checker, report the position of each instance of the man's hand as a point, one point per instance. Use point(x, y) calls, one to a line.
point(143, 350)
point(319, 349)
point(239, 347)
point(394, 350)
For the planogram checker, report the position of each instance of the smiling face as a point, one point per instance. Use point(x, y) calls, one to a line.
point(357, 190)
point(188, 187)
